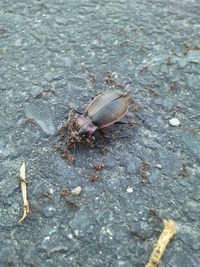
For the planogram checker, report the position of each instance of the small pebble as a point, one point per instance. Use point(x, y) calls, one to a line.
point(129, 189)
point(159, 166)
point(174, 122)
point(76, 191)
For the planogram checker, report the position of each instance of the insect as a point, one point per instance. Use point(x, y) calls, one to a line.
point(105, 109)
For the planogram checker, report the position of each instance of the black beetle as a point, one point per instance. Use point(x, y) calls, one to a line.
point(104, 110)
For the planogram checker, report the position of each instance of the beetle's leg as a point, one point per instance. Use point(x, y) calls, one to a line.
point(113, 137)
point(120, 122)
point(104, 135)
point(76, 110)
point(130, 122)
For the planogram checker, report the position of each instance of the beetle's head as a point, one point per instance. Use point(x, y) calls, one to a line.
point(84, 125)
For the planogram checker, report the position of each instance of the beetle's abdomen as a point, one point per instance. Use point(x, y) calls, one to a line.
point(107, 108)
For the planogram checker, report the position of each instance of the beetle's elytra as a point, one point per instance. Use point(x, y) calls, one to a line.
point(105, 109)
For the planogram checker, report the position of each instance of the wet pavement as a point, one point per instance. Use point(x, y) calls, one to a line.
point(55, 55)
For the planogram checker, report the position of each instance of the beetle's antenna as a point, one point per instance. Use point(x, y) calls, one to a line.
point(77, 111)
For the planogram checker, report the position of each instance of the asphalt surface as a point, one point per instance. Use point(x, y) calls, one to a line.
point(49, 51)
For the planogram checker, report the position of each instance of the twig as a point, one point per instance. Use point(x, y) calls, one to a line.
point(168, 232)
point(24, 194)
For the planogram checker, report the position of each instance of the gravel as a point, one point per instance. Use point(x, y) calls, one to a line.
point(174, 122)
point(49, 51)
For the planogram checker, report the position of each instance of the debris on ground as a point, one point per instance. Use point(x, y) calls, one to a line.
point(186, 48)
point(93, 178)
point(43, 91)
point(143, 168)
point(103, 151)
point(98, 166)
point(129, 190)
point(47, 195)
point(174, 122)
point(64, 192)
point(76, 191)
point(152, 91)
point(91, 79)
point(172, 85)
point(131, 122)
point(168, 61)
point(168, 232)
point(184, 169)
point(125, 42)
point(65, 143)
point(24, 193)
point(109, 80)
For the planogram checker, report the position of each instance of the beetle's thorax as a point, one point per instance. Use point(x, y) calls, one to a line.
point(84, 125)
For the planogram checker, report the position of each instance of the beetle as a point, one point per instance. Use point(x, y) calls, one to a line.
point(105, 109)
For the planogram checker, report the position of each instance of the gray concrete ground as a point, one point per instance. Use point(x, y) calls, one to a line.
point(151, 47)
